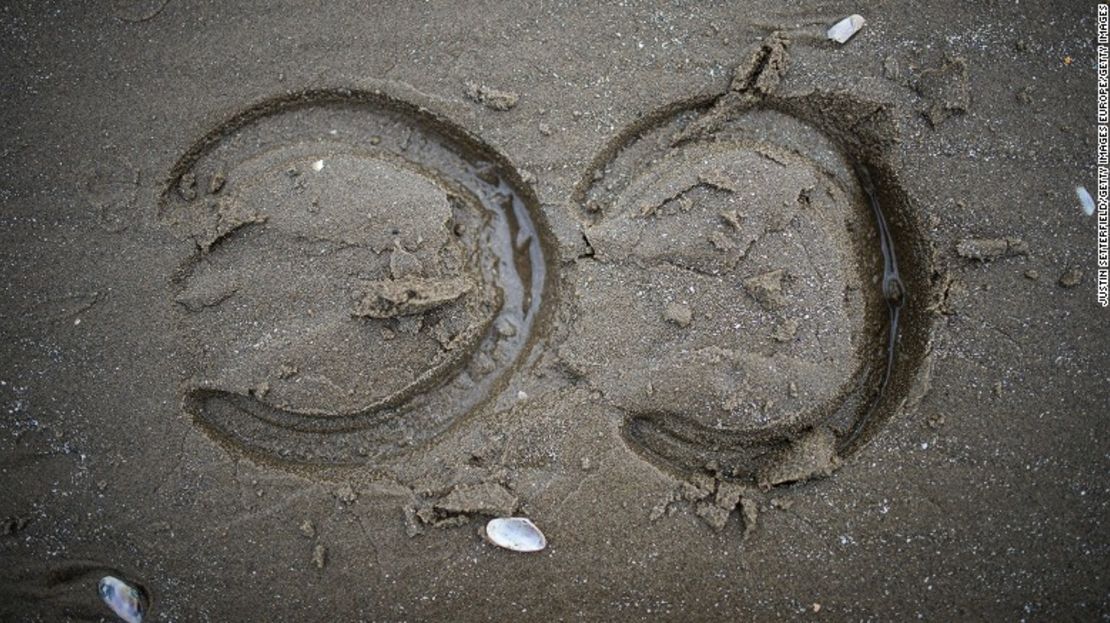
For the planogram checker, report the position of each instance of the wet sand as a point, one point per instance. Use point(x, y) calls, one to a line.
point(296, 298)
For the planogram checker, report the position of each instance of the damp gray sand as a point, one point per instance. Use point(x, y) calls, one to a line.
point(298, 298)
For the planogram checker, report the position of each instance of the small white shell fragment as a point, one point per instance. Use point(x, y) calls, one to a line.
point(126, 601)
point(318, 165)
point(1085, 200)
point(518, 534)
point(846, 28)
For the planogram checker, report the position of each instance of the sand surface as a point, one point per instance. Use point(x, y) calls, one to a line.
point(297, 296)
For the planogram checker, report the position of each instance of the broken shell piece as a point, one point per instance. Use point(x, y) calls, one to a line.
point(128, 602)
point(518, 534)
point(846, 28)
point(1085, 200)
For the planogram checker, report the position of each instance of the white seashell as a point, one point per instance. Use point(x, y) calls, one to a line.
point(516, 533)
point(318, 165)
point(846, 28)
point(1085, 200)
point(125, 600)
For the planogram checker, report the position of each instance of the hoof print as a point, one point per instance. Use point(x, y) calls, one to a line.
point(376, 268)
point(780, 220)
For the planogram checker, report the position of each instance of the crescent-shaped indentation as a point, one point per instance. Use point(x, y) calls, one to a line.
point(365, 275)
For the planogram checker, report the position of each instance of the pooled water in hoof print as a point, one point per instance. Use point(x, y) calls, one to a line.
point(743, 297)
point(364, 275)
